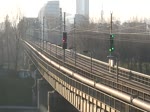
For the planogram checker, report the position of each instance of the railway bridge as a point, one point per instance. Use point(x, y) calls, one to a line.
point(90, 85)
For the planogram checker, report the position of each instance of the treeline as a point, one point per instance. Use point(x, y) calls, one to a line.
point(9, 44)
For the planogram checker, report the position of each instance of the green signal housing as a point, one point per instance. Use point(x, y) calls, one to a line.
point(111, 49)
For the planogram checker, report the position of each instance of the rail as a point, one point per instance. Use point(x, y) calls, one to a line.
point(123, 96)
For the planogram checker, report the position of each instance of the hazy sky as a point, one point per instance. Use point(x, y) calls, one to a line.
point(122, 9)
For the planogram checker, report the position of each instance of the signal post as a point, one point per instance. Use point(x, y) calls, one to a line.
point(111, 59)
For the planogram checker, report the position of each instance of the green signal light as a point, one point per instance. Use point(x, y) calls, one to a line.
point(112, 35)
point(110, 50)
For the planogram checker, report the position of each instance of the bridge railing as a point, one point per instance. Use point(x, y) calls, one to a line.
point(131, 75)
point(122, 72)
point(46, 65)
point(126, 81)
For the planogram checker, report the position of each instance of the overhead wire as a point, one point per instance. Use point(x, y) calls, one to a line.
point(78, 30)
point(104, 38)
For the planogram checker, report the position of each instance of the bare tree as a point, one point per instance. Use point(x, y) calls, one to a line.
point(17, 32)
point(7, 32)
point(16, 36)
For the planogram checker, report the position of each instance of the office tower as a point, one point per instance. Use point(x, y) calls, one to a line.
point(82, 7)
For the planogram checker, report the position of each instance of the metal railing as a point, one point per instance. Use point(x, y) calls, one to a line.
point(59, 76)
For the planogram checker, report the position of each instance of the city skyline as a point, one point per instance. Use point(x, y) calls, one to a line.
point(123, 10)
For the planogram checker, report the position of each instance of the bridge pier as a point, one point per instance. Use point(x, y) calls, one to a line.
point(44, 96)
point(38, 92)
point(48, 99)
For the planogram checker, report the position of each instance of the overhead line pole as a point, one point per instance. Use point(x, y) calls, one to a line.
point(111, 23)
point(116, 59)
point(110, 60)
point(60, 23)
point(64, 30)
point(43, 32)
point(110, 27)
point(75, 40)
point(64, 21)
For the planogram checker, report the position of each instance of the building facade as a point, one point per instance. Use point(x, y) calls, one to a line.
point(29, 28)
point(50, 9)
point(82, 7)
point(49, 17)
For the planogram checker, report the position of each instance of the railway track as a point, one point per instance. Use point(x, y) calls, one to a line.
point(92, 81)
point(100, 72)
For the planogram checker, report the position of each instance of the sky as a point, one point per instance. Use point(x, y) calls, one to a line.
point(121, 9)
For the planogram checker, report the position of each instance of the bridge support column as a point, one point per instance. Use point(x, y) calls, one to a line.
point(48, 99)
point(38, 92)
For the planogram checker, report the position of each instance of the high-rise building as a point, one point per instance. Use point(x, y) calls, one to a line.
point(49, 17)
point(50, 9)
point(82, 7)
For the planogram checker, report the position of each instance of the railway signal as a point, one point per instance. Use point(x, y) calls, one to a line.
point(64, 39)
point(112, 48)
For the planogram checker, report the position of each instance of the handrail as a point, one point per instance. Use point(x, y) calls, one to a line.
point(123, 96)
